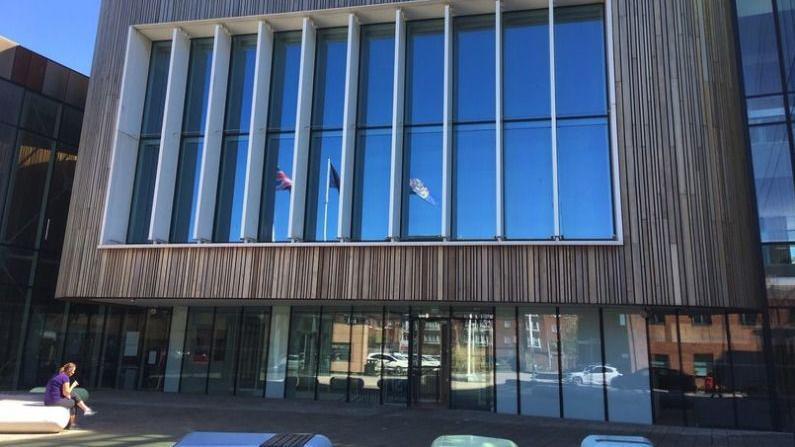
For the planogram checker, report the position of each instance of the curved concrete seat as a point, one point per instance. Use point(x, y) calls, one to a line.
point(19, 415)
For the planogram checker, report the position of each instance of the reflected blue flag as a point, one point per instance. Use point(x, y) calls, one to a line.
point(419, 188)
point(334, 177)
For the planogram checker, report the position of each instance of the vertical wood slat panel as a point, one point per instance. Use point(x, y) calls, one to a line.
point(685, 192)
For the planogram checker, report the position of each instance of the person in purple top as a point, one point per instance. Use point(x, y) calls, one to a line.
point(60, 392)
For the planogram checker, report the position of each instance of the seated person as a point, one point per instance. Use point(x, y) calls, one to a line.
point(60, 392)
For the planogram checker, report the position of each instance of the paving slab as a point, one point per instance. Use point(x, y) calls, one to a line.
point(160, 419)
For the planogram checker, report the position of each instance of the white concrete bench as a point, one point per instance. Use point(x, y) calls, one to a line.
point(23, 414)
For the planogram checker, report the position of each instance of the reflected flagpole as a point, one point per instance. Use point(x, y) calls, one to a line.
point(325, 203)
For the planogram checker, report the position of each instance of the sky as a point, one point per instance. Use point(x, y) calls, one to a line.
point(62, 30)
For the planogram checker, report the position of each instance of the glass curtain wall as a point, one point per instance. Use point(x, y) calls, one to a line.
point(154, 353)
point(539, 361)
point(750, 381)
point(234, 149)
point(472, 359)
point(627, 366)
point(366, 365)
point(325, 147)
point(194, 119)
point(782, 328)
point(474, 140)
point(527, 141)
point(149, 146)
point(302, 353)
point(252, 361)
point(581, 357)
point(421, 214)
point(334, 354)
point(373, 167)
point(583, 143)
point(278, 170)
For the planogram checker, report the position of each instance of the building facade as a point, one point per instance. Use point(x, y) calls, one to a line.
point(521, 206)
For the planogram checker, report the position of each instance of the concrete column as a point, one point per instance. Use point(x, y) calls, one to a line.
point(277, 352)
point(176, 341)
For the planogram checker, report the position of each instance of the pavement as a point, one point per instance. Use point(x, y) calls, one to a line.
point(139, 418)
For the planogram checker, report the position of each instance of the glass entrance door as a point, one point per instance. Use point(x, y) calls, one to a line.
point(430, 362)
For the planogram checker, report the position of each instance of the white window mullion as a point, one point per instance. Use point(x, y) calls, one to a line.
point(213, 136)
point(258, 127)
point(349, 130)
point(303, 116)
point(165, 182)
point(124, 157)
point(500, 230)
point(396, 175)
point(447, 131)
point(611, 90)
point(553, 122)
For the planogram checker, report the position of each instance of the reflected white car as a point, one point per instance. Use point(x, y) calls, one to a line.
point(594, 375)
point(396, 362)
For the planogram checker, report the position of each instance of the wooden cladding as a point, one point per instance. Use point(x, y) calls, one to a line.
point(690, 235)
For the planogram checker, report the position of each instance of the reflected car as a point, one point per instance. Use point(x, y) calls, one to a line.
point(431, 361)
point(395, 362)
point(593, 375)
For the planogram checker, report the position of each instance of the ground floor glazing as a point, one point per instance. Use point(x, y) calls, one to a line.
point(694, 367)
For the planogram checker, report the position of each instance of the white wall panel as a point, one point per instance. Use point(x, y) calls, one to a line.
point(349, 130)
point(396, 180)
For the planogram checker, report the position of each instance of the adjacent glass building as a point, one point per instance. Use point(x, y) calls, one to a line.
point(503, 206)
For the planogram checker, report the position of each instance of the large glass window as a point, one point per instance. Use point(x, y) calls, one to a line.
point(188, 172)
point(422, 142)
point(277, 176)
point(775, 190)
point(669, 383)
point(751, 391)
point(471, 360)
point(584, 371)
point(196, 353)
point(626, 366)
point(395, 356)
point(155, 348)
point(234, 150)
point(252, 363)
point(335, 353)
point(757, 31)
point(506, 338)
point(149, 147)
point(221, 376)
point(374, 137)
point(10, 102)
point(584, 168)
point(366, 364)
point(325, 148)
point(538, 361)
point(302, 353)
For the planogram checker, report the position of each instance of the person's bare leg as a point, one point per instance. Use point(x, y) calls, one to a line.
point(72, 419)
point(81, 405)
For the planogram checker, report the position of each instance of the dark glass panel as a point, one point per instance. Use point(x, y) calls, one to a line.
point(323, 190)
point(10, 102)
point(132, 346)
point(284, 80)
point(8, 137)
point(328, 96)
point(775, 191)
point(782, 329)
point(584, 179)
point(39, 114)
point(155, 348)
point(302, 353)
point(27, 189)
point(196, 354)
point(786, 19)
point(56, 79)
point(15, 265)
point(46, 328)
point(77, 90)
point(71, 125)
point(473, 68)
point(84, 341)
point(241, 84)
point(580, 73)
point(669, 383)
point(187, 190)
point(7, 61)
point(757, 31)
point(109, 363)
point(231, 187)
point(277, 188)
point(394, 362)
point(376, 75)
point(472, 362)
point(223, 358)
point(12, 304)
point(627, 366)
point(143, 192)
point(335, 354)
point(766, 109)
point(525, 60)
point(198, 88)
point(422, 167)
point(60, 193)
point(751, 391)
point(505, 360)
point(474, 210)
point(154, 103)
point(527, 181)
point(34, 77)
point(705, 358)
point(584, 370)
point(371, 185)
point(365, 355)
point(538, 361)
point(252, 363)
point(424, 72)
